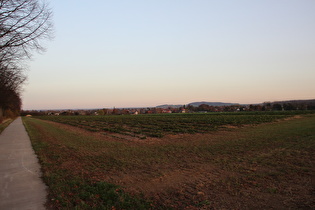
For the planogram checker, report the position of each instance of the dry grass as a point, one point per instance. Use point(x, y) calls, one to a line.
point(266, 166)
point(5, 123)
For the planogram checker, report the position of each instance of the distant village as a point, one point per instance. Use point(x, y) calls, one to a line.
point(190, 108)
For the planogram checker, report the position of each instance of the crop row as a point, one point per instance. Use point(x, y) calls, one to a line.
point(143, 126)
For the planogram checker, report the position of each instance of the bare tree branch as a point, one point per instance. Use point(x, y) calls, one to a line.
point(23, 24)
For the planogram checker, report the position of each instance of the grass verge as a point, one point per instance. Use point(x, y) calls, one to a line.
point(5, 124)
point(70, 186)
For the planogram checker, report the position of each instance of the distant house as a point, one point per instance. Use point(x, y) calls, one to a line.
point(166, 111)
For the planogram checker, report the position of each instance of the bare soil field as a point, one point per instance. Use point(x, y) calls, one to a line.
point(266, 166)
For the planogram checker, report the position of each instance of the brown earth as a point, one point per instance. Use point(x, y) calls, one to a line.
point(197, 182)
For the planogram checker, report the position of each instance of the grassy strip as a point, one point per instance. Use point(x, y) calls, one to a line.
point(68, 187)
point(5, 124)
point(265, 166)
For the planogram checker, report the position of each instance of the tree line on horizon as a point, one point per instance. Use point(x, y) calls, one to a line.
point(23, 25)
point(297, 105)
point(267, 106)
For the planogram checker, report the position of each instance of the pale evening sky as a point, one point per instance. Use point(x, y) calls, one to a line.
point(145, 53)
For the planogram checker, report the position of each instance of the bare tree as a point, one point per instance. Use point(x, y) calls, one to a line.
point(23, 25)
point(11, 80)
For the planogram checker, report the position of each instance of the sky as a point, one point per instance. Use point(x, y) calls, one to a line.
point(144, 53)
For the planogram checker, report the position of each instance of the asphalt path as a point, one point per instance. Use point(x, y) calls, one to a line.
point(20, 184)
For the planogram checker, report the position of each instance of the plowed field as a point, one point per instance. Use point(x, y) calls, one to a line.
point(266, 166)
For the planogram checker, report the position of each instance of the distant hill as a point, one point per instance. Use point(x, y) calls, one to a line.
point(166, 106)
point(212, 103)
point(196, 104)
point(310, 101)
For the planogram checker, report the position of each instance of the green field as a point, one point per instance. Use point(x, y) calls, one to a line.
point(159, 125)
point(260, 165)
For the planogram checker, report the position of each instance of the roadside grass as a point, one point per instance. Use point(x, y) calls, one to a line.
point(266, 166)
point(62, 155)
point(5, 124)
